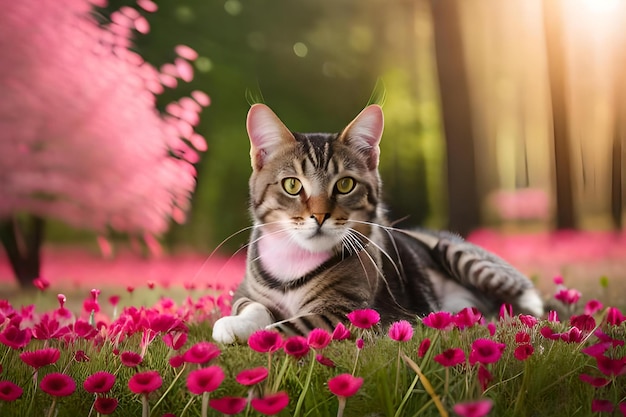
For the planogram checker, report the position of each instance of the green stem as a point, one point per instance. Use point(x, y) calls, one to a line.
point(170, 386)
point(145, 406)
point(407, 395)
point(281, 374)
point(342, 406)
point(395, 391)
point(52, 407)
point(205, 404)
point(187, 405)
point(307, 382)
point(521, 395)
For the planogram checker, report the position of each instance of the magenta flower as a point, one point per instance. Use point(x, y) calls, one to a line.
point(41, 284)
point(614, 316)
point(597, 349)
point(553, 316)
point(548, 333)
point(360, 343)
point(491, 327)
point(401, 331)
point(319, 339)
point(145, 382)
point(100, 382)
point(583, 322)
point(528, 321)
point(523, 351)
point(592, 307)
point(296, 346)
point(568, 296)
point(201, 352)
point(175, 340)
point(484, 376)
point(9, 391)
point(474, 408)
point(611, 367)
point(270, 404)
point(58, 384)
point(341, 332)
point(265, 341)
point(440, 320)
point(324, 360)
point(176, 361)
point(228, 405)
point(522, 337)
point(423, 348)
point(601, 406)
point(40, 358)
point(130, 359)
point(364, 319)
point(344, 385)
point(486, 351)
point(205, 379)
point(252, 376)
point(467, 317)
point(506, 311)
point(105, 405)
point(450, 357)
point(596, 382)
point(15, 338)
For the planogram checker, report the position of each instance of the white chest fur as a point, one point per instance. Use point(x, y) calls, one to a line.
point(285, 260)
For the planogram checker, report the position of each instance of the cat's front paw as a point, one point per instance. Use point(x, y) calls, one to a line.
point(233, 329)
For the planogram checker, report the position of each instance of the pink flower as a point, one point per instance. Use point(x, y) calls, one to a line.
point(506, 311)
point(553, 316)
point(573, 335)
point(270, 404)
point(341, 332)
point(611, 367)
point(100, 382)
point(401, 331)
point(41, 284)
point(558, 280)
point(568, 296)
point(114, 300)
point(176, 361)
point(364, 319)
point(175, 340)
point(596, 382)
point(601, 406)
point(296, 346)
point(614, 316)
point(484, 376)
point(491, 327)
point(592, 307)
point(440, 320)
point(319, 339)
point(583, 322)
point(205, 379)
point(423, 348)
point(252, 376)
point(360, 343)
point(523, 351)
point(105, 405)
point(450, 357)
point(9, 391)
point(15, 338)
point(486, 351)
point(467, 317)
point(41, 357)
point(265, 341)
point(344, 385)
point(474, 408)
point(548, 333)
point(527, 320)
point(597, 349)
point(131, 359)
point(228, 405)
point(522, 337)
point(324, 361)
point(145, 382)
point(201, 352)
point(58, 384)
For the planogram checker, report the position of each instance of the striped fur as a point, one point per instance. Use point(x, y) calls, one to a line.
point(321, 246)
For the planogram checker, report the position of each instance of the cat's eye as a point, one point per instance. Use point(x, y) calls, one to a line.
point(292, 186)
point(345, 185)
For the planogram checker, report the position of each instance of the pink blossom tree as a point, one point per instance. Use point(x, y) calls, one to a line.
point(81, 139)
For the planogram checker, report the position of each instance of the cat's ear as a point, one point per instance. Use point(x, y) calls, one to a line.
point(364, 133)
point(266, 132)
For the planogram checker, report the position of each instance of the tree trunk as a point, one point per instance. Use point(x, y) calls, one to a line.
point(553, 27)
point(463, 198)
point(22, 242)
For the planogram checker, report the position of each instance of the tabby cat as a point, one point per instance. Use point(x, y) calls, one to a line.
point(321, 246)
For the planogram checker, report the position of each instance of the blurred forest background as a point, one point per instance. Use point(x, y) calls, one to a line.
point(501, 114)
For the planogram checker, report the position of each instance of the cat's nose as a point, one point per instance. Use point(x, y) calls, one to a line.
point(320, 218)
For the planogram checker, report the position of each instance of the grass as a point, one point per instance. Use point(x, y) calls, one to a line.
point(546, 384)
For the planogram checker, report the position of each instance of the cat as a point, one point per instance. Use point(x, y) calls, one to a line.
point(321, 246)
